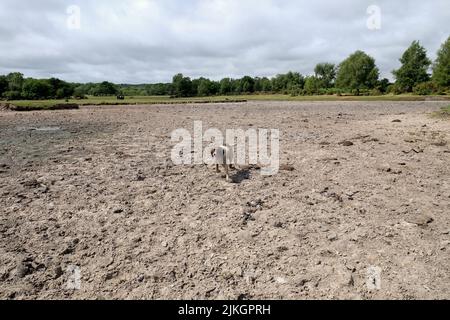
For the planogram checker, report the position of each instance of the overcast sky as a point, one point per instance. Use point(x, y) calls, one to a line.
point(143, 41)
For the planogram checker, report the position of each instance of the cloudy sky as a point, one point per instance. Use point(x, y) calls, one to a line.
point(143, 41)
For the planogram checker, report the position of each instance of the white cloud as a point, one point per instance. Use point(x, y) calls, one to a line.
point(139, 41)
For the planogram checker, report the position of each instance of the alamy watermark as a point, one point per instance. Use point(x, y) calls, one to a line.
point(373, 278)
point(74, 278)
point(74, 17)
point(374, 20)
point(263, 147)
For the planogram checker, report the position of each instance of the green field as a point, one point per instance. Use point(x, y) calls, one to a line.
point(48, 104)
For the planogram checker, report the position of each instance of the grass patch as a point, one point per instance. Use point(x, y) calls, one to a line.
point(45, 106)
point(402, 97)
point(443, 113)
point(28, 105)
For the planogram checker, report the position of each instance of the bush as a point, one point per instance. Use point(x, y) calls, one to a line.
point(375, 92)
point(396, 89)
point(12, 95)
point(426, 88)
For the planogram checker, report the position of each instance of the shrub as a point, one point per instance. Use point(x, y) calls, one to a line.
point(425, 88)
point(396, 89)
point(12, 95)
point(375, 92)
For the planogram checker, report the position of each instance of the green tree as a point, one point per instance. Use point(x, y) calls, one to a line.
point(248, 84)
point(79, 92)
point(204, 87)
point(34, 89)
point(312, 85)
point(226, 86)
point(295, 81)
point(414, 69)
point(441, 68)
point(265, 85)
point(383, 85)
point(357, 72)
point(104, 89)
point(3, 85)
point(326, 73)
point(288, 82)
point(237, 86)
point(15, 81)
point(181, 86)
point(279, 82)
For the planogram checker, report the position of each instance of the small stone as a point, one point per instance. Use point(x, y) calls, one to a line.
point(281, 280)
point(57, 272)
point(255, 203)
point(346, 143)
point(243, 297)
point(301, 282)
point(140, 278)
point(68, 250)
point(421, 220)
point(111, 275)
point(118, 210)
point(278, 225)
point(22, 270)
point(287, 168)
point(444, 245)
point(332, 237)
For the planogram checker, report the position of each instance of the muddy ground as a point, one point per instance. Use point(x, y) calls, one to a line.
point(94, 190)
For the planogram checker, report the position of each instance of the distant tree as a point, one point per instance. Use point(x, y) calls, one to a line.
point(205, 87)
point(312, 85)
point(287, 82)
point(181, 86)
point(414, 69)
point(34, 89)
point(60, 89)
point(158, 89)
point(226, 86)
point(79, 92)
point(279, 82)
point(441, 68)
point(265, 85)
point(55, 84)
point(215, 87)
point(15, 81)
point(357, 72)
point(237, 86)
point(295, 81)
point(326, 73)
point(105, 89)
point(3, 85)
point(383, 85)
point(248, 84)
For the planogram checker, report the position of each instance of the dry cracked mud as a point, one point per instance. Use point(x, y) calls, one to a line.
point(363, 186)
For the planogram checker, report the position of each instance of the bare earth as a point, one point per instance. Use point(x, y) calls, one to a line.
point(95, 188)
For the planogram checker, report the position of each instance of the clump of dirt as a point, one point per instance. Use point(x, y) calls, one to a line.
point(7, 107)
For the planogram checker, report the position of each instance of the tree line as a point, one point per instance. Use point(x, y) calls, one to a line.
point(356, 75)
